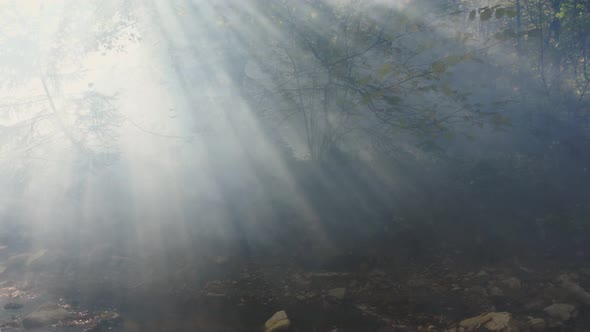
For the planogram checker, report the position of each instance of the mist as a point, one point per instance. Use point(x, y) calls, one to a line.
point(196, 165)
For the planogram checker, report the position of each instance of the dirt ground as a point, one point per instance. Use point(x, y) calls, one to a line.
point(341, 293)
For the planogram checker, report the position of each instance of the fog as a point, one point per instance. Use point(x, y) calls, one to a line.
point(150, 149)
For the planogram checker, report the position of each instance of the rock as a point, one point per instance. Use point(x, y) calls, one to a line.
point(511, 283)
point(18, 260)
point(482, 273)
point(490, 322)
point(47, 314)
point(34, 257)
point(301, 280)
point(575, 290)
point(362, 307)
point(105, 322)
point(337, 293)
point(24, 260)
point(537, 324)
point(561, 311)
point(8, 284)
point(14, 323)
point(495, 291)
point(109, 317)
point(12, 306)
point(278, 322)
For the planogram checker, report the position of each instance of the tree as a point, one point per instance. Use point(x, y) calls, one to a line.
point(353, 69)
point(42, 53)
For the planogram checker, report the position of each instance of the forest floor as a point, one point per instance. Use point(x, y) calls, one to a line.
point(437, 293)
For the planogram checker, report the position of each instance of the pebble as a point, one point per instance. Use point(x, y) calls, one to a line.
point(537, 324)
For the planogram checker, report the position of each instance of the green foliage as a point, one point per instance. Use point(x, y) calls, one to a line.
point(486, 13)
point(439, 67)
point(501, 121)
point(360, 56)
point(385, 69)
point(510, 12)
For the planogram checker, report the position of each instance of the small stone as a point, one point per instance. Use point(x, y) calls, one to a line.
point(537, 324)
point(482, 273)
point(561, 311)
point(278, 322)
point(105, 322)
point(492, 322)
point(109, 317)
point(512, 283)
point(301, 280)
point(495, 291)
point(337, 293)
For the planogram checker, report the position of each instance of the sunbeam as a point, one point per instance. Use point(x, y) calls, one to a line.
point(346, 165)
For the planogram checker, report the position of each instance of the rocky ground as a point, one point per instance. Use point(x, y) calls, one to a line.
point(439, 294)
